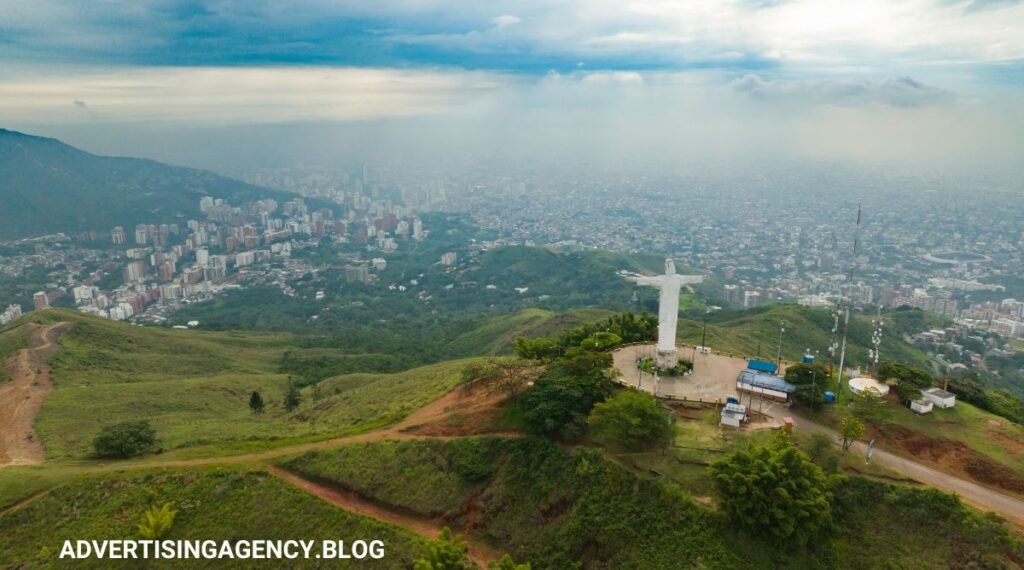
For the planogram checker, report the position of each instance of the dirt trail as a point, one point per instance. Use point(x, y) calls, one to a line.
point(353, 503)
point(25, 502)
point(405, 429)
point(22, 397)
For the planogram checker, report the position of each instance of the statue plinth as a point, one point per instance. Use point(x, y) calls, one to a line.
point(666, 359)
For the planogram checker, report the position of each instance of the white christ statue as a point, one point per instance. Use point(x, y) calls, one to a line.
point(668, 310)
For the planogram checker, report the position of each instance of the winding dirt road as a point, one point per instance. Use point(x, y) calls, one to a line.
point(22, 396)
point(971, 493)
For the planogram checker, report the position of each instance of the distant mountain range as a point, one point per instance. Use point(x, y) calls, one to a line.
point(47, 186)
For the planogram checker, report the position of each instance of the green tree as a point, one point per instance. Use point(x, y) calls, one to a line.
point(851, 428)
point(774, 491)
point(601, 341)
point(292, 396)
point(812, 396)
point(448, 552)
point(803, 374)
point(630, 420)
point(256, 402)
point(819, 446)
point(536, 348)
point(579, 362)
point(506, 563)
point(157, 522)
point(907, 381)
point(867, 403)
point(558, 404)
point(126, 439)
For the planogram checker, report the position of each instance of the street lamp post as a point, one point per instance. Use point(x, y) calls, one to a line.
point(704, 333)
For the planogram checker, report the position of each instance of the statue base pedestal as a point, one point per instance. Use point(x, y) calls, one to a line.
point(666, 359)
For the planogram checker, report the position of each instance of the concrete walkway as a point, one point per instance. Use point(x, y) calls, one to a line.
point(713, 377)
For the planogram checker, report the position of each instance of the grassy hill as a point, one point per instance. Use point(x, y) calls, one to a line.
point(48, 186)
point(13, 339)
point(212, 504)
point(555, 507)
point(744, 332)
point(495, 335)
point(194, 387)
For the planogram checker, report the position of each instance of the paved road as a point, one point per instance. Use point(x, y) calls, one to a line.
point(977, 495)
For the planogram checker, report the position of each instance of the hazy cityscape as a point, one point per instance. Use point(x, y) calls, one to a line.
point(949, 246)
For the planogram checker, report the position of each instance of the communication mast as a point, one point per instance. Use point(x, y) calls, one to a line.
point(848, 298)
point(876, 341)
point(833, 346)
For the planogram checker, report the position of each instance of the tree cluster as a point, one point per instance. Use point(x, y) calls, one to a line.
point(630, 420)
point(907, 381)
point(774, 491)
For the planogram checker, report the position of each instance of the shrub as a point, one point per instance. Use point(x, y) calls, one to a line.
point(126, 439)
point(157, 522)
point(448, 552)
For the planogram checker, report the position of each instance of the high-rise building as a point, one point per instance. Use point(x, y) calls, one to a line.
point(134, 271)
point(117, 236)
point(11, 313)
point(40, 301)
point(141, 234)
point(732, 294)
point(357, 273)
point(751, 299)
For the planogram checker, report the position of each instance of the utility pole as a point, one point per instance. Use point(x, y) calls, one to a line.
point(704, 333)
point(814, 392)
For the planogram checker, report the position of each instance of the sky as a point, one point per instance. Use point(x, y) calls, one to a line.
point(921, 83)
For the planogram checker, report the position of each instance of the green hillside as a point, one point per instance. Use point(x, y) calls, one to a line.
point(554, 507)
point(495, 335)
point(12, 339)
point(48, 186)
point(217, 504)
point(743, 333)
point(194, 387)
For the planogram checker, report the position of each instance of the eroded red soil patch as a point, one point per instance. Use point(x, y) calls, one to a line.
point(951, 456)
